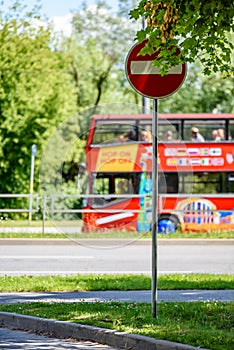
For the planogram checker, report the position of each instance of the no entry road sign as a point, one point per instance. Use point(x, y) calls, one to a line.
point(146, 79)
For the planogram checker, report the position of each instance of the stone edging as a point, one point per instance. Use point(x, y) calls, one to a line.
point(60, 329)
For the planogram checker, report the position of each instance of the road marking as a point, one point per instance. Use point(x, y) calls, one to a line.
point(51, 257)
point(64, 273)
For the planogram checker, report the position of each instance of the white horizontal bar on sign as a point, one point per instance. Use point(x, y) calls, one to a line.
point(146, 67)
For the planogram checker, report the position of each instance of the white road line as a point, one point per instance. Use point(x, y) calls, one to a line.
point(53, 272)
point(23, 257)
point(64, 273)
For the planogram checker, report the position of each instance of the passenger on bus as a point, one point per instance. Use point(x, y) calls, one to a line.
point(120, 188)
point(214, 136)
point(130, 136)
point(121, 138)
point(221, 134)
point(146, 136)
point(196, 136)
point(168, 135)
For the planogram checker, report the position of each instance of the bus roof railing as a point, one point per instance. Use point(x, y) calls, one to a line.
point(178, 116)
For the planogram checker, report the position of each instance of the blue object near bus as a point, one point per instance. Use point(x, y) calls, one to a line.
point(166, 226)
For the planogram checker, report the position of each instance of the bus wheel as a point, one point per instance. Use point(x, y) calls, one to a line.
point(167, 224)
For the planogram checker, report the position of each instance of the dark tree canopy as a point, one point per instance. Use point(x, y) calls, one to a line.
point(202, 29)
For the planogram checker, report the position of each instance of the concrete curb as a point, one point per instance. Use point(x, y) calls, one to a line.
point(109, 337)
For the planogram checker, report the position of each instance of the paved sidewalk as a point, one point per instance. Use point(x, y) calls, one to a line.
point(121, 296)
point(21, 340)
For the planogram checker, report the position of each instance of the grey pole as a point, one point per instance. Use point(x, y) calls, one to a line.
point(43, 214)
point(33, 153)
point(154, 227)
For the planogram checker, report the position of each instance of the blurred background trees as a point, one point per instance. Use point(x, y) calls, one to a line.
point(49, 80)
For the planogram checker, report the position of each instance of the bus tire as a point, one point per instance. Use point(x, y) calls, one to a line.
point(167, 223)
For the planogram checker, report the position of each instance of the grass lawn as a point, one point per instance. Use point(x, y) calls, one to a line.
point(113, 282)
point(11, 224)
point(117, 234)
point(202, 324)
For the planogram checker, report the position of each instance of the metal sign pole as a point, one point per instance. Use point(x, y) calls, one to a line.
point(154, 227)
point(34, 150)
point(148, 81)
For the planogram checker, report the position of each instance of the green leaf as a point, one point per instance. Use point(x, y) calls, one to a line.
point(189, 43)
point(141, 35)
point(134, 14)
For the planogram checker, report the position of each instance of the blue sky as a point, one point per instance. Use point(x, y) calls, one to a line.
point(53, 8)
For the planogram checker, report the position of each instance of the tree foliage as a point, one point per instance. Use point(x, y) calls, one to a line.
point(36, 94)
point(43, 82)
point(201, 94)
point(97, 50)
point(201, 29)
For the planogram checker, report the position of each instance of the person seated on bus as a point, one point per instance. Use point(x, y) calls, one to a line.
point(121, 187)
point(130, 136)
point(221, 134)
point(121, 138)
point(146, 136)
point(214, 135)
point(168, 136)
point(196, 136)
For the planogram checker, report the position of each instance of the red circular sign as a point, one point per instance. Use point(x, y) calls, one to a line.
point(146, 79)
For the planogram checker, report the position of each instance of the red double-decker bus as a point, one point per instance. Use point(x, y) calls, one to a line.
point(195, 172)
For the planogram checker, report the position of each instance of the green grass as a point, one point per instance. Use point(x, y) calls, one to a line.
point(9, 223)
point(202, 324)
point(116, 234)
point(201, 235)
point(105, 234)
point(38, 223)
point(32, 235)
point(113, 282)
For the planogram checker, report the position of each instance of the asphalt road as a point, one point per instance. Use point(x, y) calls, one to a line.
point(66, 257)
point(119, 296)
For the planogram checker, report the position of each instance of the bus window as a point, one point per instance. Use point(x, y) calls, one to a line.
point(145, 131)
point(168, 183)
point(230, 183)
point(126, 184)
point(165, 129)
point(100, 185)
point(203, 183)
point(205, 128)
point(108, 132)
point(231, 130)
point(145, 125)
point(123, 186)
point(110, 184)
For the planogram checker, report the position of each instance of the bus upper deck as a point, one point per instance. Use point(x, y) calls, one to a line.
point(109, 127)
